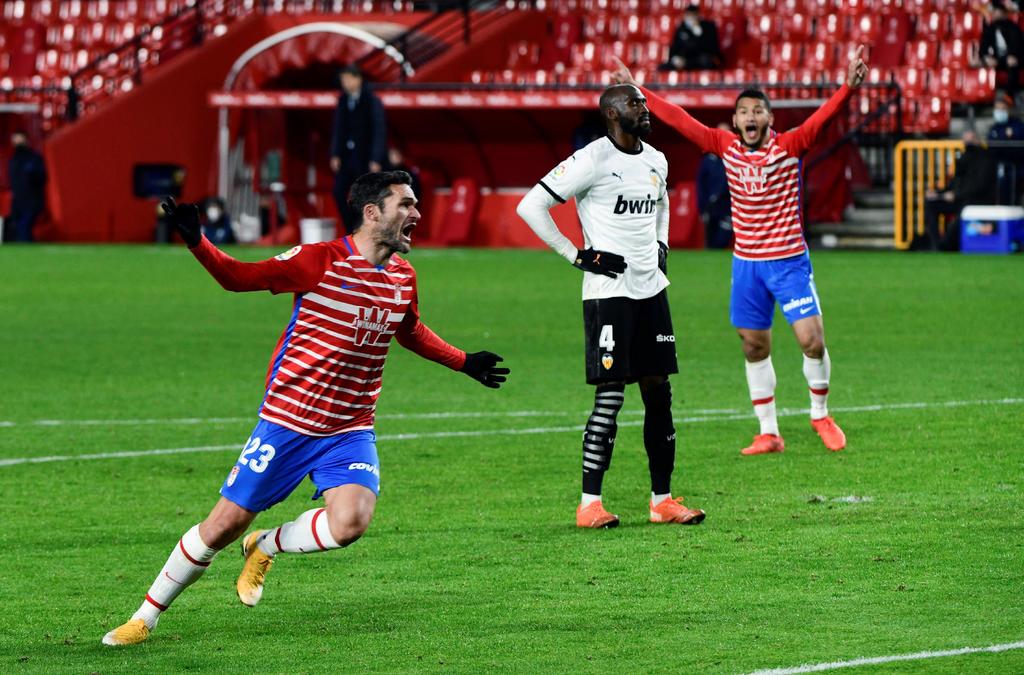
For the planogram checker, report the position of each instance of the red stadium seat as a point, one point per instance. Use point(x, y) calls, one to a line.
point(821, 8)
point(922, 54)
point(524, 54)
point(966, 25)
point(831, 28)
point(960, 53)
point(945, 82)
point(796, 27)
point(932, 24)
point(913, 81)
point(821, 55)
point(752, 53)
point(893, 33)
point(934, 114)
point(786, 55)
point(865, 28)
point(765, 27)
point(977, 85)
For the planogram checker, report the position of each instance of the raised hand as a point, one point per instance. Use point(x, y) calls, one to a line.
point(185, 220)
point(482, 367)
point(621, 74)
point(600, 262)
point(858, 69)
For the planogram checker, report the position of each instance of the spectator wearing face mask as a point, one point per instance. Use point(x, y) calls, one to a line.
point(218, 222)
point(694, 45)
point(1006, 132)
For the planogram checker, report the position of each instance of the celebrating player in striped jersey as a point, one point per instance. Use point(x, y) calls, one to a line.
point(770, 261)
point(619, 185)
point(352, 295)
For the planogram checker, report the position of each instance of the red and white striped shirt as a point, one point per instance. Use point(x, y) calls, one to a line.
point(764, 184)
point(325, 374)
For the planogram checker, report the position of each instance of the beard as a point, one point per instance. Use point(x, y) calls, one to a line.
point(391, 237)
point(636, 127)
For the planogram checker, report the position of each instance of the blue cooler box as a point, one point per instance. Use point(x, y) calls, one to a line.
point(991, 229)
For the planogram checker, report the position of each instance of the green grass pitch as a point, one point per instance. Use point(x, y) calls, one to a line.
point(472, 563)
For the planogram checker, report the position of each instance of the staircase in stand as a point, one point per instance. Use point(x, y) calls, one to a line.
point(866, 226)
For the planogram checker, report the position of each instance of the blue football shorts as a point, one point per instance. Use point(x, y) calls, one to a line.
point(758, 284)
point(275, 460)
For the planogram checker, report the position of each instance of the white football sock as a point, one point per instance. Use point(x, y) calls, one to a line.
point(817, 372)
point(309, 533)
point(657, 499)
point(587, 500)
point(761, 382)
point(187, 562)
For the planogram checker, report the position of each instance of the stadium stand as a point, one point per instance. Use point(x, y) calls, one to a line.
point(61, 61)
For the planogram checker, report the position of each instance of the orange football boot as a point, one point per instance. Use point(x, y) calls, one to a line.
point(671, 510)
point(831, 435)
point(763, 444)
point(595, 516)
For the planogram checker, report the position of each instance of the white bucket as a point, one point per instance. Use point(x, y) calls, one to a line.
point(315, 230)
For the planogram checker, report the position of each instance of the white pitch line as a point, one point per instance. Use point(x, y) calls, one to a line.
point(786, 412)
point(875, 660)
point(728, 413)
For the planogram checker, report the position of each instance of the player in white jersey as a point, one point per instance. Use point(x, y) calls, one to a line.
point(619, 185)
point(770, 261)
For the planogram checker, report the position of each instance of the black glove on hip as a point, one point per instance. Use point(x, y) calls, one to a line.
point(663, 257)
point(600, 262)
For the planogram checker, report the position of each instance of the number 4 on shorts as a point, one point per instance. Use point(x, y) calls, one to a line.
point(606, 341)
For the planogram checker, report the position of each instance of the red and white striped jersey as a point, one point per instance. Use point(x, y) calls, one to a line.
point(764, 184)
point(325, 374)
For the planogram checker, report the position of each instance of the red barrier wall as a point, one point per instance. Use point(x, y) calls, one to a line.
point(166, 120)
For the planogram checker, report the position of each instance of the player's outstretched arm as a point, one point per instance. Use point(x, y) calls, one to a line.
point(483, 367)
point(297, 271)
point(803, 137)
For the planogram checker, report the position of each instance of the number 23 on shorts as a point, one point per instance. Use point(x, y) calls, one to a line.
point(260, 462)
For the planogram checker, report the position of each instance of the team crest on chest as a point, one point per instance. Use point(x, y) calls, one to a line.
point(754, 179)
point(398, 293)
point(371, 322)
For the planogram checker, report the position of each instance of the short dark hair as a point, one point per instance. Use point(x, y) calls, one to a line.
point(754, 93)
point(351, 69)
point(374, 188)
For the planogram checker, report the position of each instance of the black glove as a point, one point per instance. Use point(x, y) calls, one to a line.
point(185, 220)
point(600, 262)
point(481, 367)
point(663, 257)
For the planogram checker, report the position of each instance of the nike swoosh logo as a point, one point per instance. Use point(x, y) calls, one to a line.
point(348, 285)
point(806, 309)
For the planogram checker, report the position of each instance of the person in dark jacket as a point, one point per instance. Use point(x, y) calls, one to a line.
point(713, 201)
point(694, 45)
point(27, 174)
point(359, 141)
point(973, 182)
point(1006, 141)
point(1002, 46)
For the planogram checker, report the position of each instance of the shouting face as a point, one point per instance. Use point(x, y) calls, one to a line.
point(397, 220)
point(752, 120)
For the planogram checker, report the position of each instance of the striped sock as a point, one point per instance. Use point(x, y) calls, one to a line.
point(309, 533)
point(761, 382)
point(599, 435)
point(187, 562)
point(817, 372)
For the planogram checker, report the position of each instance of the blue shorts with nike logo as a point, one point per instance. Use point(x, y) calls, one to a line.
point(275, 460)
point(758, 284)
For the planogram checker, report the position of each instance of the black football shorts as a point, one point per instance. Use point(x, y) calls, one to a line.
point(627, 339)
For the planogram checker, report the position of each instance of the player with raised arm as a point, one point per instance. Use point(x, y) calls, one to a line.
point(619, 185)
point(770, 260)
point(352, 296)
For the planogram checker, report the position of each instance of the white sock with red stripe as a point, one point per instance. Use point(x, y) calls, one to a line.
point(817, 372)
point(761, 382)
point(309, 533)
point(187, 562)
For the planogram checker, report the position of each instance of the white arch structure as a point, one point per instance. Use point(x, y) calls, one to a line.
point(224, 135)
